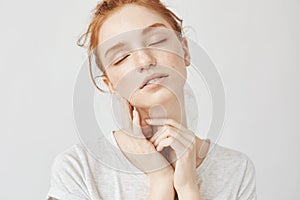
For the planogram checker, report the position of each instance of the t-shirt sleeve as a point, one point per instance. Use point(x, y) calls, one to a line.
point(247, 190)
point(67, 179)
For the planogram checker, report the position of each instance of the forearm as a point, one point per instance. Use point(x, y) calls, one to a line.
point(161, 192)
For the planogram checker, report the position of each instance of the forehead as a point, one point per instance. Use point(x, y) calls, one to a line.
point(129, 17)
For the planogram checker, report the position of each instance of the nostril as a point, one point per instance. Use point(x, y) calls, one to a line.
point(141, 69)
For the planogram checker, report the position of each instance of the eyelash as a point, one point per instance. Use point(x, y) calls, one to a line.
point(163, 40)
point(121, 59)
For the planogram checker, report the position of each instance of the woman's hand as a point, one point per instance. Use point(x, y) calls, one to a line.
point(182, 154)
point(142, 154)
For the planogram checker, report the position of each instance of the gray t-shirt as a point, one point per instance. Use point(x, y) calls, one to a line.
point(224, 174)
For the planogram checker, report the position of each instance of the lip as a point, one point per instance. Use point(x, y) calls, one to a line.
point(152, 76)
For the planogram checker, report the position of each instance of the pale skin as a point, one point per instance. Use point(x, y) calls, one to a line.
point(181, 175)
point(161, 130)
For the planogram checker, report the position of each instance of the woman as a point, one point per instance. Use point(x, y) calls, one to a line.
point(140, 48)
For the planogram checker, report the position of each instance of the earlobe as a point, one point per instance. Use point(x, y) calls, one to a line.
point(187, 57)
point(107, 82)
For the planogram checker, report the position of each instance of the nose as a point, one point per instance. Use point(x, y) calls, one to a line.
point(144, 59)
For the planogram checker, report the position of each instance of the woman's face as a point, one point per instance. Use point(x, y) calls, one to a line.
point(144, 60)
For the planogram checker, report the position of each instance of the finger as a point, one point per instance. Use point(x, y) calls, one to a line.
point(158, 133)
point(127, 107)
point(185, 138)
point(130, 108)
point(137, 130)
point(172, 132)
point(175, 144)
point(125, 115)
point(163, 121)
point(165, 143)
point(163, 133)
point(170, 138)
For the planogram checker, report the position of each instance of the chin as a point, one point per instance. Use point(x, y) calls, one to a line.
point(149, 99)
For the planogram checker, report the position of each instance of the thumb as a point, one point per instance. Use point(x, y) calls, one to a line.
point(137, 131)
point(126, 115)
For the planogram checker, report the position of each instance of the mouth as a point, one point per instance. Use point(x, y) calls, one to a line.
point(156, 78)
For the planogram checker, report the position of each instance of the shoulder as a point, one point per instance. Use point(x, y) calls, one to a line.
point(221, 159)
point(229, 171)
point(239, 168)
point(222, 154)
point(233, 164)
point(74, 155)
point(69, 163)
point(68, 174)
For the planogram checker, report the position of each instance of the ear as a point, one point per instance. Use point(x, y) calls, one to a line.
point(107, 82)
point(186, 51)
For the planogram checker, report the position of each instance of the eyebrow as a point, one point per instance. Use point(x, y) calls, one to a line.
point(119, 45)
point(145, 31)
point(149, 28)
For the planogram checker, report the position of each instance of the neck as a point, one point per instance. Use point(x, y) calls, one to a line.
point(173, 108)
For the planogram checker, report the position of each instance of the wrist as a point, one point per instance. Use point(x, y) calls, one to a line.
point(161, 184)
point(190, 193)
point(161, 187)
point(161, 193)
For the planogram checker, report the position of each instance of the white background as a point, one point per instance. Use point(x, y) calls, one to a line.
point(254, 44)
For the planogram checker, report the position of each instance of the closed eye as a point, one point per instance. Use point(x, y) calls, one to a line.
point(121, 59)
point(158, 42)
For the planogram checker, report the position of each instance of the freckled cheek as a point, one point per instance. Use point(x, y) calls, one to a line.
point(116, 75)
point(113, 75)
point(173, 61)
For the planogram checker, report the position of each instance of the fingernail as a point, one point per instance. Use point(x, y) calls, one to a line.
point(158, 148)
point(148, 120)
